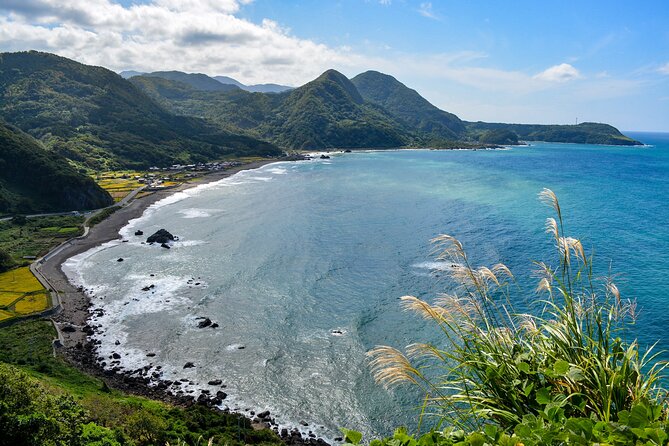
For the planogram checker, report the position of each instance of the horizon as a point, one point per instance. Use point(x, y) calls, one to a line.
point(604, 62)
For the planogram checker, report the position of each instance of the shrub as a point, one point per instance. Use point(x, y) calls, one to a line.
point(6, 261)
point(31, 415)
point(563, 371)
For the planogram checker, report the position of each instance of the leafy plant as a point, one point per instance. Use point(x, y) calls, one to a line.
point(566, 370)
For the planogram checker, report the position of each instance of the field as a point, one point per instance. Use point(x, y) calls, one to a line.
point(36, 236)
point(21, 294)
point(119, 183)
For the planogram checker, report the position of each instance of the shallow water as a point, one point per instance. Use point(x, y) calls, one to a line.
point(282, 256)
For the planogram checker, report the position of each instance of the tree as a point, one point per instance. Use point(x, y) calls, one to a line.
point(6, 261)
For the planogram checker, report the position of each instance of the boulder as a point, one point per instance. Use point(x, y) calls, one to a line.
point(165, 245)
point(204, 323)
point(138, 232)
point(215, 382)
point(189, 365)
point(161, 236)
point(325, 157)
point(120, 259)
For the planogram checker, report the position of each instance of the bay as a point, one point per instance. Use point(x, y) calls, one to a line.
point(301, 265)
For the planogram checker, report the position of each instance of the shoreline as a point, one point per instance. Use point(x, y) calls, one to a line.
point(72, 322)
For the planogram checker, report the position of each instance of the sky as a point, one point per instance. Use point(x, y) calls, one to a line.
point(504, 61)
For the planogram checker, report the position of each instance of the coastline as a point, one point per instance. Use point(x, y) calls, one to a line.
point(72, 323)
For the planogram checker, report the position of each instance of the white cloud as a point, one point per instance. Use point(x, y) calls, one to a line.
point(425, 10)
point(188, 35)
point(664, 69)
point(559, 73)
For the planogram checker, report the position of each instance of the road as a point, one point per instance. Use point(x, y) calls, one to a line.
point(87, 214)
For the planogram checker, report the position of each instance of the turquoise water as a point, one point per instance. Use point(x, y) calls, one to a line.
point(282, 256)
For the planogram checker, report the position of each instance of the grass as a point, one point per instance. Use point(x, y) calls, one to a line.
point(27, 345)
point(97, 218)
point(38, 235)
point(21, 294)
point(32, 303)
point(19, 280)
point(9, 297)
point(568, 361)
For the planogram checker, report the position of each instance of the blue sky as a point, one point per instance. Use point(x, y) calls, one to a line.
point(511, 61)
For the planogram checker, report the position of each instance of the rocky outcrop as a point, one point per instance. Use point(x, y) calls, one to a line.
point(161, 236)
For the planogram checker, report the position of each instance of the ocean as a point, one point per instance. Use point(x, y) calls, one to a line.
point(302, 264)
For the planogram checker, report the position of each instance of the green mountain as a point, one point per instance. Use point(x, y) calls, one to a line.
point(257, 88)
point(327, 112)
point(372, 110)
point(584, 133)
point(34, 180)
point(408, 106)
point(198, 81)
point(98, 119)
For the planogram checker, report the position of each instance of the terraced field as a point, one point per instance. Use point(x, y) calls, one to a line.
point(119, 183)
point(21, 294)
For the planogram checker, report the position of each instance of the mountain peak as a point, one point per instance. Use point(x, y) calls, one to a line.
point(198, 81)
point(407, 105)
point(334, 77)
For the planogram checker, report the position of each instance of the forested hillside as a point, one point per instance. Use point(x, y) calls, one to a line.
point(32, 179)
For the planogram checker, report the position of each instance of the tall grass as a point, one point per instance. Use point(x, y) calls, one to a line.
point(570, 358)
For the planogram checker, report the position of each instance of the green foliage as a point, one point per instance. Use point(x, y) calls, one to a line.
point(372, 110)
point(646, 429)
point(563, 374)
point(94, 435)
point(584, 133)
point(96, 118)
point(408, 106)
point(6, 261)
point(32, 179)
point(498, 136)
point(197, 81)
point(97, 218)
point(325, 113)
point(104, 417)
point(29, 414)
point(38, 235)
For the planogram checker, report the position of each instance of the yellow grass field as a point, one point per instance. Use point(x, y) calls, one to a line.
point(7, 298)
point(115, 183)
point(19, 280)
point(21, 294)
point(32, 304)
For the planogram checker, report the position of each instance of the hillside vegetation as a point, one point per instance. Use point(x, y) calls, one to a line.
point(372, 110)
point(327, 112)
point(34, 180)
point(584, 133)
point(45, 401)
point(408, 106)
point(96, 118)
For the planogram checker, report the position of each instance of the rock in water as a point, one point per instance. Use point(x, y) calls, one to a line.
point(138, 232)
point(161, 236)
point(205, 323)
